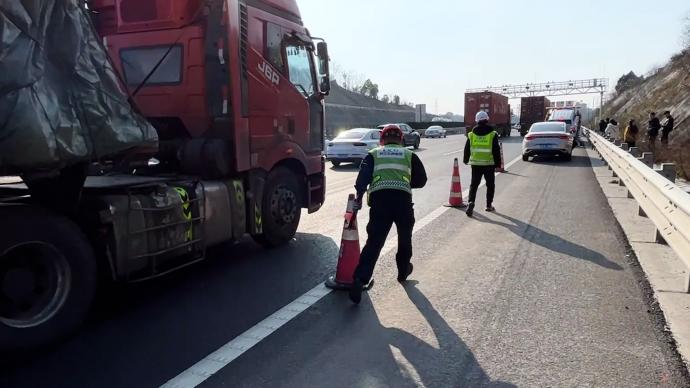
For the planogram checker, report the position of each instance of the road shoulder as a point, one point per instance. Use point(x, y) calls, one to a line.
point(662, 268)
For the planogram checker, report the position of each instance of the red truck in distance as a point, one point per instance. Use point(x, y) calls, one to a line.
point(532, 110)
point(496, 105)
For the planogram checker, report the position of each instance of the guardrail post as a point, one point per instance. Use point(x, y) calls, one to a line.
point(617, 142)
point(625, 146)
point(648, 159)
point(659, 238)
point(668, 171)
point(634, 151)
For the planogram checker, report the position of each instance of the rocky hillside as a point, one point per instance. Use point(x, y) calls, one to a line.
point(668, 88)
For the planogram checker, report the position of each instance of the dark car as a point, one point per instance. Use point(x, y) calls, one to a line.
point(411, 137)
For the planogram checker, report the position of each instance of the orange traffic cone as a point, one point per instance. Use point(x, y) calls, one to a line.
point(502, 168)
point(348, 259)
point(455, 199)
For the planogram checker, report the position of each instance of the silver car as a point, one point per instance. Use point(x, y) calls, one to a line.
point(435, 131)
point(352, 146)
point(548, 138)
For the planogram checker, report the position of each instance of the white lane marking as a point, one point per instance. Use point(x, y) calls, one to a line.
point(453, 152)
point(211, 364)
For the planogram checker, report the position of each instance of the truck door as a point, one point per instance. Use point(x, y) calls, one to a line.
point(301, 71)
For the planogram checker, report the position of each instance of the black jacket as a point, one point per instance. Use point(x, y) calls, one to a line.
point(653, 126)
point(483, 130)
point(366, 174)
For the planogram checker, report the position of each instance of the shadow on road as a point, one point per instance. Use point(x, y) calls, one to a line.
point(514, 174)
point(550, 241)
point(577, 161)
point(199, 308)
point(346, 167)
point(418, 363)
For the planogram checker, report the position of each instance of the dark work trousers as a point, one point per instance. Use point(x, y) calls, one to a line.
point(387, 207)
point(488, 173)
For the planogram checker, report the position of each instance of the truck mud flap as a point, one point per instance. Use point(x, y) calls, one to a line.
point(255, 194)
point(238, 208)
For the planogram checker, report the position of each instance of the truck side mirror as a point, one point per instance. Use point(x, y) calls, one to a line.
point(324, 70)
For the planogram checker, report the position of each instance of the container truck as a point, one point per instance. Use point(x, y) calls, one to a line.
point(533, 109)
point(235, 91)
point(496, 105)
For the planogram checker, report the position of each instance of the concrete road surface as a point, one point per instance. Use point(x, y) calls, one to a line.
point(540, 293)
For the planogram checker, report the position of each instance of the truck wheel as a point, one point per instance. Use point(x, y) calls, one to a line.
point(282, 208)
point(48, 277)
point(525, 158)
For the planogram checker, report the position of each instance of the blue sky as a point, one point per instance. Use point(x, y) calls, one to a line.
point(428, 51)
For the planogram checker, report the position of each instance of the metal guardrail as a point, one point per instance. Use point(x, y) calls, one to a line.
point(666, 204)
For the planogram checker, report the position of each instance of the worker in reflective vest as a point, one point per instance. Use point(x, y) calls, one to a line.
point(388, 174)
point(483, 153)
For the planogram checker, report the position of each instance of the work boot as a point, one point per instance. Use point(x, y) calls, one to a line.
point(490, 208)
point(470, 209)
point(356, 291)
point(403, 276)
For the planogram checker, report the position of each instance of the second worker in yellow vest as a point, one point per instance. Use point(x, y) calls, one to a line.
point(483, 154)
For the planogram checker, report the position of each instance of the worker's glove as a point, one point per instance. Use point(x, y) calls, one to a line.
point(358, 204)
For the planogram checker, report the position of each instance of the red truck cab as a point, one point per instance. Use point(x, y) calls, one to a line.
point(244, 74)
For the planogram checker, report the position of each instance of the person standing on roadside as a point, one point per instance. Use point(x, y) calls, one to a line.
point(653, 127)
point(630, 134)
point(483, 153)
point(602, 126)
point(388, 174)
point(666, 127)
point(612, 130)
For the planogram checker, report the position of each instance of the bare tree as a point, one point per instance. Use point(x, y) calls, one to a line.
point(355, 81)
point(374, 91)
point(337, 73)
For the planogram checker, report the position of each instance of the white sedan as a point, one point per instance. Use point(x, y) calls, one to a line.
point(548, 138)
point(352, 146)
point(435, 131)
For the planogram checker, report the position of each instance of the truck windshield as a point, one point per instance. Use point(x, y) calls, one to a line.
point(299, 66)
point(561, 115)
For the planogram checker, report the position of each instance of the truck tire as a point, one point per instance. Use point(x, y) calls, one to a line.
point(281, 208)
point(48, 277)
